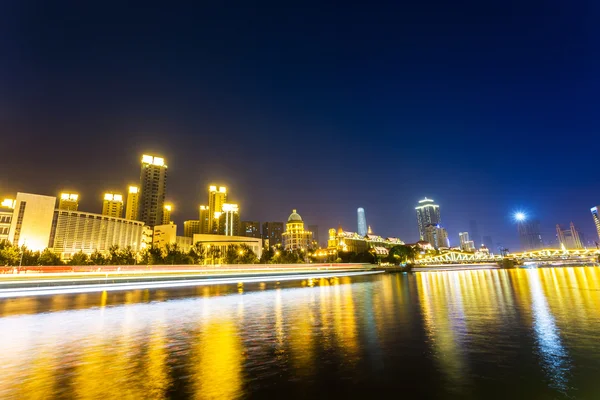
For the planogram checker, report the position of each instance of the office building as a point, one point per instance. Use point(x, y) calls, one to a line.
point(167, 209)
point(132, 207)
point(488, 242)
point(75, 231)
point(7, 208)
point(152, 190)
point(295, 237)
point(428, 213)
point(251, 229)
point(529, 235)
point(216, 199)
point(32, 221)
point(204, 218)
point(229, 220)
point(68, 201)
point(436, 236)
point(362, 222)
point(272, 234)
point(163, 235)
point(216, 246)
point(315, 235)
point(569, 238)
point(474, 233)
point(465, 243)
point(112, 205)
point(191, 228)
point(596, 219)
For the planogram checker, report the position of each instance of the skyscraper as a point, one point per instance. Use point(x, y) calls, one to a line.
point(596, 219)
point(190, 228)
point(216, 199)
point(204, 217)
point(436, 236)
point(362, 222)
point(529, 234)
point(131, 210)
point(465, 243)
point(568, 238)
point(229, 220)
point(251, 229)
point(272, 233)
point(428, 213)
point(167, 209)
point(68, 202)
point(112, 205)
point(153, 189)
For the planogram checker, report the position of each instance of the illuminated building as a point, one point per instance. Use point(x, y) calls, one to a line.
point(436, 236)
point(251, 229)
point(68, 201)
point(465, 243)
point(153, 188)
point(205, 218)
point(272, 233)
point(75, 231)
point(315, 235)
point(295, 237)
point(594, 211)
point(190, 228)
point(340, 240)
point(167, 235)
point(428, 213)
point(568, 238)
point(216, 246)
point(112, 205)
point(216, 199)
point(6, 213)
point(147, 233)
point(132, 207)
point(362, 222)
point(229, 220)
point(32, 221)
point(167, 209)
point(529, 233)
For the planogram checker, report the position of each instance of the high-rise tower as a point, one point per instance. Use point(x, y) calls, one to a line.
point(205, 218)
point(216, 199)
point(529, 233)
point(131, 210)
point(229, 220)
point(68, 202)
point(428, 213)
point(153, 188)
point(167, 209)
point(362, 222)
point(112, 205)
point(594, 211)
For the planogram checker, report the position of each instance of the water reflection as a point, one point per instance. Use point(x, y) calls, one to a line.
point(467, 334)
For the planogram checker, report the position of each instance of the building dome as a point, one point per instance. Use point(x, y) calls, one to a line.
point(294, 216)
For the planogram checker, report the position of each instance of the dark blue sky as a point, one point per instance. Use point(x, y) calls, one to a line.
point(485, 107)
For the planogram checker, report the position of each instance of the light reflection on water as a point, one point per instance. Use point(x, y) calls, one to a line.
point(464, 334)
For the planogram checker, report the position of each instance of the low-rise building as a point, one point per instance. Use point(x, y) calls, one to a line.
point(344, 241)
point(216, 245)
point(295, 236)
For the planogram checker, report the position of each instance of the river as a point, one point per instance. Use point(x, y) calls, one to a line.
point(493, 334)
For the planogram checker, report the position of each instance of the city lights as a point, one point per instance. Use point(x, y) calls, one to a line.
point(520, 216)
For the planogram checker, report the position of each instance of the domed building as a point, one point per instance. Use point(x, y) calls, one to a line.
point(295, 236)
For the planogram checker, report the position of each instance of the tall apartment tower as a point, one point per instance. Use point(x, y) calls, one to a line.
point(568, 238)
point(428, 213)
point(362, 222)
point(153, 188)
point(272, 233)
point(131, 210)
point(68, 202)
point(594, 211)
point(167, 209)
point(204, 218)
point(112, 205)
point(216, 199)
point(229, 220)
point(250, 229)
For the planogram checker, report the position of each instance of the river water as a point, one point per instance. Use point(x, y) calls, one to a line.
point(494, 334)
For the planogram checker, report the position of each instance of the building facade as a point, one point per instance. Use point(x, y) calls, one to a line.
point(32, 221)
point(362, 222)
point(133, 204)
point(7, 208)
point(315, 235)
point(204, 218)
point(229, 220)
point(112, 205)
point(345, 241)
point(569, 238)
point(75, 231)
point(216, 246)
point(153, 189)
point(191, 228)
point(529, 235)
point(250, 229)
point(436, 236)
point(68, 202)
point(295, 237)
point(596, 218)
point(167, 209)
point(428, 213)
point(216, 198)
point(465, 243)
point(272, 233)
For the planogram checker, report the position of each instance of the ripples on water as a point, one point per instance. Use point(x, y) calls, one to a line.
point(465, 334)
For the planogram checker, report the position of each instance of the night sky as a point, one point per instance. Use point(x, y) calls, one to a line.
point(485, 107)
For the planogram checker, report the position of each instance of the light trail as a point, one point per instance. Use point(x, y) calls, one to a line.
point(74, 289)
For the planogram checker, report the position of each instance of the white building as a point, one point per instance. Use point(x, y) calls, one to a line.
point(217, 245)
point(295, 237)
point(32, 221)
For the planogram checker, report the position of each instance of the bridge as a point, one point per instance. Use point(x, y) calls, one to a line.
point(544, 255)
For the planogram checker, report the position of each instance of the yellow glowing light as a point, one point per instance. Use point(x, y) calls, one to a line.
point(168, 207)
point(223, 189)
point(217, 214)
point(133, 189)
point(108, 196)
point(118, 197)
point(203, 207)
point(10, 203)
point(158, 161)
point(228, 207)
point(212, 188)
point(69, 196)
